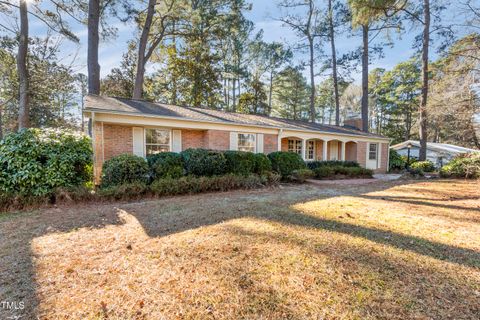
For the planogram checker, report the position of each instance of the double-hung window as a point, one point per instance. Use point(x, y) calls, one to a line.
point(310, 150)
point(156, 141)
point(372, 151)
point(295, 145)
point(246, 142)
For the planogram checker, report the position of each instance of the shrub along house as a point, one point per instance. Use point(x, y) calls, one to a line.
point(142, 128)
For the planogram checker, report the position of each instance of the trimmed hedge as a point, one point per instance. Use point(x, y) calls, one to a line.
point(262, 163)
point(312, 165)
point(285, 163)
point(124, 169)
point(396, 162)
point(240, 162)
point(464, 166)
point(425, 166)
point(34, 162)
point(340, 172)
point(301, 175)
point(202, 162)
point(165, 165)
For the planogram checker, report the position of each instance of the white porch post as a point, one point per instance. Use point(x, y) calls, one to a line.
point(279, 141)
point(304, 149)
point(342, 154)
point(324, 151)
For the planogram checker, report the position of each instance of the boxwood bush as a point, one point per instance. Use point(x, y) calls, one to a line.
point(425, 166)
point(240, 162)
point(286, 162)
point(396, 162)
point(202, 162)
point(312, 165)
point(340, 172)
point(34, 162)
point(463, 166)
point(124, 169)
point(262, 163)
point(165, 165)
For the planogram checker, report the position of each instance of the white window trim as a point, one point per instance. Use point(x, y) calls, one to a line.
point(314, 150)
point(170, 139)
point(254, 141)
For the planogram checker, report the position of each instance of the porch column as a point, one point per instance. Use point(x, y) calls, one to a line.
point(304, 149)
point(279, 140)
point(324, 151)
point(342, 153)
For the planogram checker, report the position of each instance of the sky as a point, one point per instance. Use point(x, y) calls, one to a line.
point(264, 14)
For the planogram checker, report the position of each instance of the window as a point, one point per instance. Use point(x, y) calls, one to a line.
point(156, 141)
point(295, 146)
point(310, 150)
point(372, 151)
point(246, 142)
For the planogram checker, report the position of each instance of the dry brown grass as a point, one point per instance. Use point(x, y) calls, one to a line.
point(396, 250)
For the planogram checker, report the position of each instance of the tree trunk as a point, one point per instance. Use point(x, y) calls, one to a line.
point(365, 79)
point(142, 46)
point(93, 41)
point(334, 63)
point(422, 155)
point(270, 95)
point(23, 106)
point(234, 106)
point(312, 81)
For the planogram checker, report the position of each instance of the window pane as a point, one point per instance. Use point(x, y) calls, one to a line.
point(246, 142)
point(154, 149)
point(372, 152)
point(156, 136)
point(311, 150)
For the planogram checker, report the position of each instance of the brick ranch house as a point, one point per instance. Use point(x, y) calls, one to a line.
point(142, 128)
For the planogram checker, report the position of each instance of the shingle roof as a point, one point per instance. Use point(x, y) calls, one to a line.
point(441, 147)
point(141, 107)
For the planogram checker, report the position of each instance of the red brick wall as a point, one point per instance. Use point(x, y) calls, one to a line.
point(270, 143)
point(117, 140)
point(217, 140)
point(284, 144)
point(193, 139)
point(384, 159)
point(97, 150)
point(351, 151)
point(362, 153)
point(319, 149)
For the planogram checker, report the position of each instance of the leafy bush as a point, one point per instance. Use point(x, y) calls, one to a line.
point(192, 184)
point(126, 191)
point(262, 163)
point(396, 161)
point(338, 172)
point(323, 172)
point(34, 162)
point(202, 162)
point(124, 169)
point(286, 162)
point(240, 162)
point(331, 163)
point(301, 175)
point(166, 165)
point(463, 166)
point(425, 166)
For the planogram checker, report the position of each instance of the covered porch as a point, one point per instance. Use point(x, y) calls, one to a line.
point(320, 149)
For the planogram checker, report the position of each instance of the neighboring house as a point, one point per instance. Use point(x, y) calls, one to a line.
point(142, 128)
point(439, 153)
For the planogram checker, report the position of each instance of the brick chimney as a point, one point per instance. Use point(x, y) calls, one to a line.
point(353, 121)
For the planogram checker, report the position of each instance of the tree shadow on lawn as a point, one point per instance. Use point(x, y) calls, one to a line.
point(164, 217)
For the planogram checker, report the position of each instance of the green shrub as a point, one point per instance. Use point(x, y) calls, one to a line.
point(124, 169)
point(34, 162)
point(331, 163)
point(202, 162)
point(286, 162)
point(425, 166)
point(359, 173)
point(126, 191)
point(262, 163)
point(165, 165)
point(193, 184)
point(324, 172)
point(301, 175)
point(463, 166)
point(240, 162)
point(396, 161)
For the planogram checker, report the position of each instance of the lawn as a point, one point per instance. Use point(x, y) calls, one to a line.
point(384, 250)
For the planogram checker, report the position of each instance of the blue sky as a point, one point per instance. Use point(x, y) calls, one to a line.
point(264, 14)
